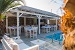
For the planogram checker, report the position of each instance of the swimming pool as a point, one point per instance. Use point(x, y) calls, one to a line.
point(56, 36)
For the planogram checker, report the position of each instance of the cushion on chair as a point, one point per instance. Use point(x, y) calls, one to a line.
point(13, 44)
point(6, 37)
point(9, 41)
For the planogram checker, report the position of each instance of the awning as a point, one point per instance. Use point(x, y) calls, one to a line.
point(34, 11)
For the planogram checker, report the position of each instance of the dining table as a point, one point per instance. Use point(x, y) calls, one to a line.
point(30, 29)
point(46, 29)
point(14, 28)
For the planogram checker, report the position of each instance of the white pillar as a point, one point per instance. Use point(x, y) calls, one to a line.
point(39, 23)
point(24, 21)
point(6, 24)
point(56, 24)
point(48, 21)
point(18, 25)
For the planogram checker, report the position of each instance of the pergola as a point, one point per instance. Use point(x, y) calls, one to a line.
point(22, 11)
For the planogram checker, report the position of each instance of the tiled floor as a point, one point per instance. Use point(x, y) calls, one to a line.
point(51, 45)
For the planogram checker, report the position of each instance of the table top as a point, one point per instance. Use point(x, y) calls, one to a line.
point(12, 27)
point(38, 42)
point(30, 28)
point(48, 26)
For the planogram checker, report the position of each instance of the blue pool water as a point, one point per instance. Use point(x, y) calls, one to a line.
point(56, 36)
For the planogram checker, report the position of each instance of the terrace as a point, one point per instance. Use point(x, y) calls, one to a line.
point(26, 32)
point(48, 45)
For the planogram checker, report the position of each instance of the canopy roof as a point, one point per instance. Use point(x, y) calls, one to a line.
point(36, 10)
point(33, 11)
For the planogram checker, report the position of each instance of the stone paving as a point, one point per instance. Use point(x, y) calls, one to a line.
point(49, 44)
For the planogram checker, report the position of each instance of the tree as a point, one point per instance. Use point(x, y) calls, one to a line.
point(68, 26)
point(4, 6)
point(70, 5)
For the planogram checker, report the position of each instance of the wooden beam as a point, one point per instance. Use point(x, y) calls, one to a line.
point(30, 13)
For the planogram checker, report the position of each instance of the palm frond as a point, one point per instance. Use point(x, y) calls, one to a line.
point(14, 4)
point(4, 4)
